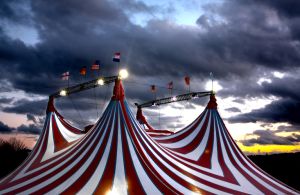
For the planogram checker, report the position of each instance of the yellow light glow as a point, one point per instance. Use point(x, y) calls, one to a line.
point(63, 93)
point(100, 82)
point(263, 149)
point(123, 74)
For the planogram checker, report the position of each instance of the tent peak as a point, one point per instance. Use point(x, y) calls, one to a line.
point(50, 106)
point(212, 104)
point(118, 92)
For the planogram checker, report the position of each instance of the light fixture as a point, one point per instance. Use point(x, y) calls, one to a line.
point(100, 82)
point(174, 98)
point(63, 93)
point(123, 74)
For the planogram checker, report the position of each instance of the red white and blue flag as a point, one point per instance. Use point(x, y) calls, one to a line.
point(65, 76)
point(117, 57)
point(96, 65)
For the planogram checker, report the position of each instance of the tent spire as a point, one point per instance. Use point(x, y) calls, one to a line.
point(50, 107)
point(212, 104)
point(118, 92)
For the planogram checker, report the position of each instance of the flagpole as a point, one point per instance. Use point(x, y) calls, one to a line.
point(212, 81)
point(68, 79)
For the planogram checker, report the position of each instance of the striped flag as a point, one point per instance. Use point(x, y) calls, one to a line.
point(65, 76)
point(117, 57)
point(95, 65)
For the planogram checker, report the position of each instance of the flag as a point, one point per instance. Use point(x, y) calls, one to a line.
point(187, 80)
point(83, 70)
point(65, 76)
point(153, 88)
point(96, 65)
point(117, 57)
point(170, 85)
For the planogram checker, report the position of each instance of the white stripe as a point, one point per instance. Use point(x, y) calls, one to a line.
point(188, 139)
point(245, 185)
point(174, 183)
point(245, 169)
point(67, 134)
point(93, 182)
point(119, 183)
point(34, 152)
point(146, 182)
point(63, 186)
point(58, 166)
point(169, 155)
point(187, 169)
point(77, 174)
point(180, 132)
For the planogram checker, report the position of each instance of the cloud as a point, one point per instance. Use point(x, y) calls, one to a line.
point(233, 109)
point(266, 137)
point(238, 41)
point(31, 128)
point(5, 128)
point(4, 100)
point(31, 117)
point(284, 110)
point(25, 106)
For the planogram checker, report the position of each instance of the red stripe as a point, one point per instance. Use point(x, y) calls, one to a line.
point(84, 178)
point(160, 183)
point(133, 182)
point(58, 162)
point(59, 141)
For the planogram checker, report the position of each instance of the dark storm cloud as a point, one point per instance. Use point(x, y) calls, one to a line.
point(31, 117)
point(285, 110)
point(268, 137)
point(288, 8)
point(6, 100)
point(284, 128)
point(233, 109)
point(5, 128)
point(237, 40)
point(14, 10)
point(104, 27)
point(25, 106)
point(31, 128)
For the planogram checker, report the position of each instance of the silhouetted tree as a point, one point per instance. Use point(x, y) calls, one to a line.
point(12, 153)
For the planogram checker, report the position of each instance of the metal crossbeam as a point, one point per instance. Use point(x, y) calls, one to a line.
point(84, 86)
point(177, 98)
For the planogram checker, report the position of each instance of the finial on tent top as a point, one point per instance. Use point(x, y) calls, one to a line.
point(212, 104)
point(50, 107)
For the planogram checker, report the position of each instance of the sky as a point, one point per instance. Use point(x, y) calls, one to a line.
point(252, 47)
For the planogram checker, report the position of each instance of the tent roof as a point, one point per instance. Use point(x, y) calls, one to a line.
point(118, 156)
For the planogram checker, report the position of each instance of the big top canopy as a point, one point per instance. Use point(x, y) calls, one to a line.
point(117, 156)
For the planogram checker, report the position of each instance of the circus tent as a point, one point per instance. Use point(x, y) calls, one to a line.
point(116, 156)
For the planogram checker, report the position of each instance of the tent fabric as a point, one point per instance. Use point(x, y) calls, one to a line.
point(150, 130)
point(116, 156)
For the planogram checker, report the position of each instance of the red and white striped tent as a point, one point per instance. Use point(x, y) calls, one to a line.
point(116, 156)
